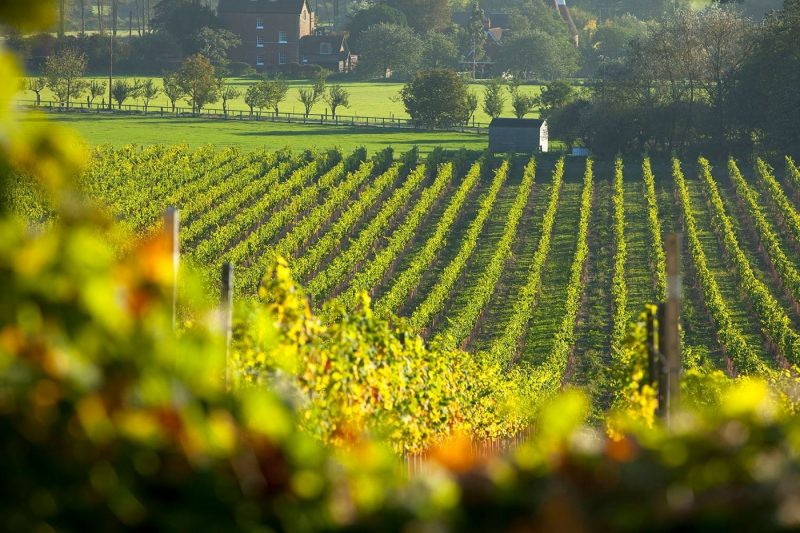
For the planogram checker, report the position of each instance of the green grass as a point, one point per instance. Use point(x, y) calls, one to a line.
point(593, 328)
point(121, 130)
point(367, 98)
point(726, 279)
point(549, 312)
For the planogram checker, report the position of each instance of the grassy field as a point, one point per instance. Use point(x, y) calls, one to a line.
point(119, 130)
point(375, 99)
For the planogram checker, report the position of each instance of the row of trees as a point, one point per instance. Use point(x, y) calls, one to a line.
point(197, 80)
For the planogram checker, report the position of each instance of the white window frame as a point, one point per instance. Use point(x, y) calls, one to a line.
point(259, 61)
point(327, 50)
point(259, 41)
point(282, 37)
point(282, 58)
point(259, 23)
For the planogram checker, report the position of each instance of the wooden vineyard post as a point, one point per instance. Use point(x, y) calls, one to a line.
point(226, 315)
point(653, 356)
point(670, 341)
point(659, 363)
point(171, 229)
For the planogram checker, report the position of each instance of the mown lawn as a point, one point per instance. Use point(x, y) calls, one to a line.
point(374, 99)
point(121, 129)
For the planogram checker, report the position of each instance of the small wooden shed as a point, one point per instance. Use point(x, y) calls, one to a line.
point(528, 135)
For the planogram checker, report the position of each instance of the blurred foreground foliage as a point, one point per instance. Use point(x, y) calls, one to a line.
point(111, 420)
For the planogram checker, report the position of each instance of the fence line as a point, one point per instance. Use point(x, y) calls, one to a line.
point(478, 128)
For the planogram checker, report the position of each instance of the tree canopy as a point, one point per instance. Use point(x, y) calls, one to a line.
point(538, 55)
point(436, 98)
point(389, 49)
point(424, 15)
point(376, 14)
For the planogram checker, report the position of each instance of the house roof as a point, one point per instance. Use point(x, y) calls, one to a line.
point(309, 47)
point(282, 7)
point(517, 123)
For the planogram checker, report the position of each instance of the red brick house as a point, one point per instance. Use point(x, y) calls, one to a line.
point(270, 30)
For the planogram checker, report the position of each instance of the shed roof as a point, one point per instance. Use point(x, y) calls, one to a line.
point(517, 123)
point(263, 6)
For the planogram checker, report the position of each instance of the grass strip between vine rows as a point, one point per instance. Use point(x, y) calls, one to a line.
point(479, 295)
point(437, 296)
point(226, 235)
point(547, 377)
point(505, 347)
point(766, 233)
point(744, 358)
point(367, 278)
point(312, 258)
point(412, 275)
point(310, 223)
point(204, 212)
point(774, 321)
point(359, 249)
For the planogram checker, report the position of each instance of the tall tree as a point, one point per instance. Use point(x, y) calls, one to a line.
point(37, 85)
point(198, 82)
point(365, 18)
point(171, 86)
point(424, 15)
point(554, 96)
point(725, 41)
point(472, 104)
point(389, 50)
point(764, 99)
point(337, 96)
point(64, 71)
point(83, 17)
point(227, 93)
point(121, 90)
point(275, 91)
point(538, 55)
point(308, 98)
point(96, 88)
point(100, 26)
point(214, 44)
point(182, 19)
point(254, 97)
point(474, 37)
point(493, 98)
point(147, 91)
point(521, 103)
point(438, 51)
point(62, 8)
point(320, 83)
point(436, 98)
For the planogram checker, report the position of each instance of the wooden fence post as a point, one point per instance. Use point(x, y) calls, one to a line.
point(171, 230)
point(226, 312)
point(671, 335)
